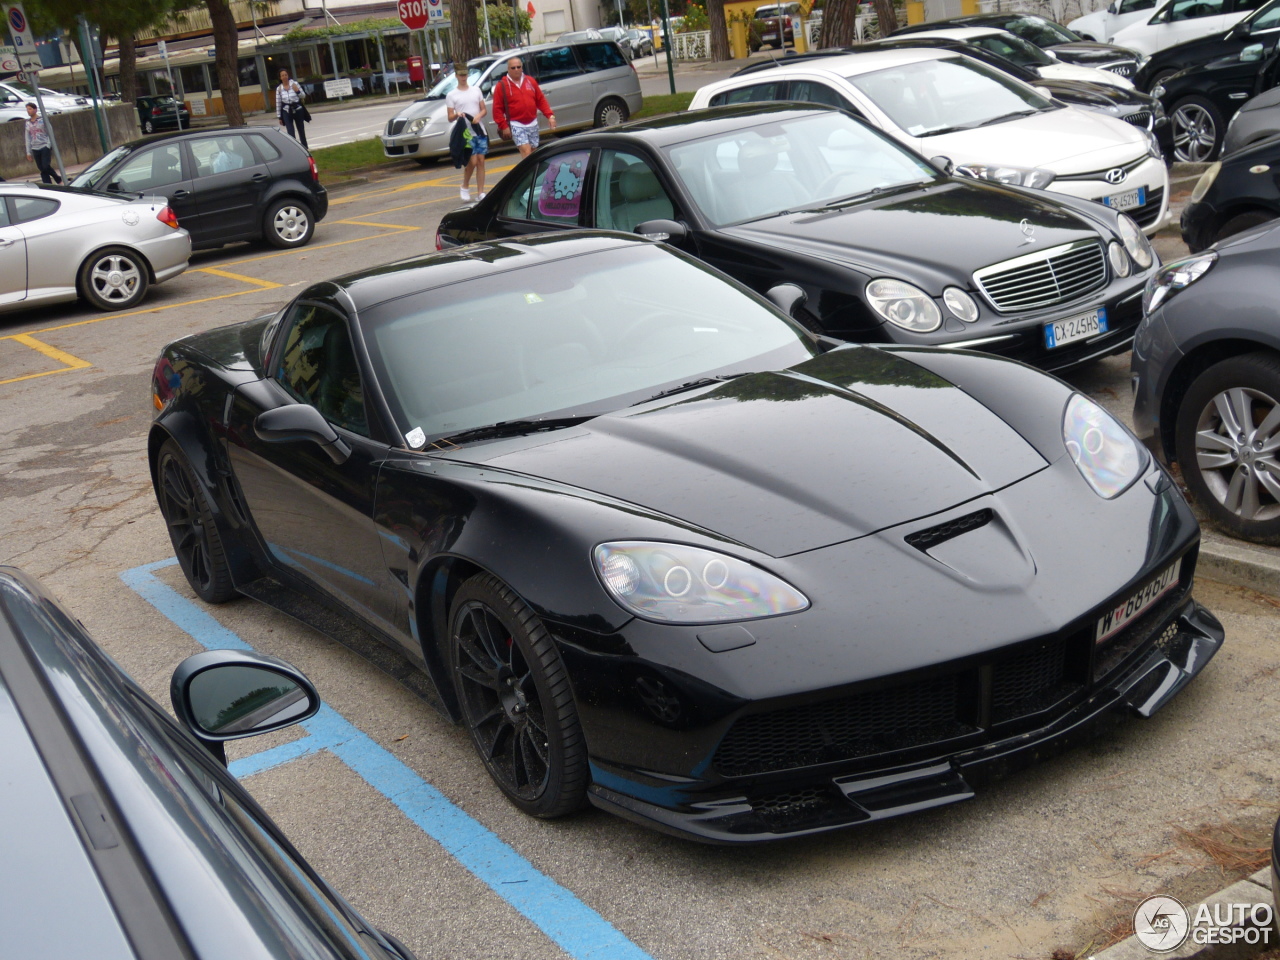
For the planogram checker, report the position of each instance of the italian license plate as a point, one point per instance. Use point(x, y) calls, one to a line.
point(1129, 200)
point(1126, 611)
point(1079, 327)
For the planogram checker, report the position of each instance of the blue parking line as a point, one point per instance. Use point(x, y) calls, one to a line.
point(577, 929)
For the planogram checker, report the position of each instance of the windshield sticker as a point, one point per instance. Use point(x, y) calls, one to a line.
point(532, 298)
point(561, 193)
point(416, 438)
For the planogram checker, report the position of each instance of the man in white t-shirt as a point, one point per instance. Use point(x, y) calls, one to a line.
point(466, 101)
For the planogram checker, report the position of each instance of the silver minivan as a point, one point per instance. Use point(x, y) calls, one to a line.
point(588, 83)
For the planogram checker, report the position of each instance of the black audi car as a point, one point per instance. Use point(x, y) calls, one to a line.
point(251, 183)
point(1206, 378)
point(1065, 45)
point(886, 245)
point(1202, 100)
point(1234, 194)
point(662, 549)
point(1260, 26)
point(124, 835)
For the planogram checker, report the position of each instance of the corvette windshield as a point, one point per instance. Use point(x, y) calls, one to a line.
point(806, 162)
point(581, 335)
point(930, 97)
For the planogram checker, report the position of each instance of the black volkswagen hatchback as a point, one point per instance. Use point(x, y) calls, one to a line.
point(225, 185)
point(885, 245)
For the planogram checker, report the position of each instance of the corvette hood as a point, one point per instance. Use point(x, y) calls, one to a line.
point(836, 448)
point(969, 226)
point(1091, 53)
point(1066, 141)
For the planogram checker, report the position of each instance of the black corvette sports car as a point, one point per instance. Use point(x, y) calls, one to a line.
point(886, 246)
point(660, 548)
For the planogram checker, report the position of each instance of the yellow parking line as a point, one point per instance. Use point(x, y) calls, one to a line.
point(448, 180)
point(53, 353)
point(264, 284)
point(387, 226)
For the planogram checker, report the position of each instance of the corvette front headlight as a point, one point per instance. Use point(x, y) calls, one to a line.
point(1136, 243)
point(1001, 173)
point(1104, 452)
point(415, 126)
point(1172, 277)
point(678, 583)
point(904, 305)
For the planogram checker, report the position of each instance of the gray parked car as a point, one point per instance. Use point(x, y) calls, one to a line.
point(1257, 120)
point(59, 243)
point(588, 83)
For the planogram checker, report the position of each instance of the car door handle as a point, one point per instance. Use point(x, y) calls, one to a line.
point(180, 194)
point(259, 177)
point(6, 242)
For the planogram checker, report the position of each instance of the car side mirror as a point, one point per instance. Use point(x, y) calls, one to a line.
point(1251, 53)
point(222, 695)
point(944, 164)
point(114, 186)
point(787, 297)
point(301, 421)
point(668, 230)
point(1113, 6)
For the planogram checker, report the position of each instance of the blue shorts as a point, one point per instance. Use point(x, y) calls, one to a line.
point(479, 146)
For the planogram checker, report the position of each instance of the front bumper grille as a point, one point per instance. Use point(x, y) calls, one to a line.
point(1124, 68)
point(1149, 212)
point(1057, 275)
point(1143, 119)
point(394, 126)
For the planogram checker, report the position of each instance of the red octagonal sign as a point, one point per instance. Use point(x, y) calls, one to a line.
point(413, 13)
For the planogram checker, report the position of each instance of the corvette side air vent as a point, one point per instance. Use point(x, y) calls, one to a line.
point(930, 537)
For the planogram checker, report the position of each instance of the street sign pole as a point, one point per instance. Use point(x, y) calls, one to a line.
point(173, 91)
point(666, 42)
point(29, 61)
point(86, 47)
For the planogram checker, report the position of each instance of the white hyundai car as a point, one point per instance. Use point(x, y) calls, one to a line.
point(943, 104)
point(1102, 25)
point(1177, 21)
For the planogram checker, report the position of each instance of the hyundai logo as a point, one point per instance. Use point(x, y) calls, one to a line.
point(1116, 176)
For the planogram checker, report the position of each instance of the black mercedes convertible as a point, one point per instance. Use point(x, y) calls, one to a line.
point(888, 247)
point(660, 548)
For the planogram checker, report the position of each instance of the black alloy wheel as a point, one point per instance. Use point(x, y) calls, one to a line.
point(516, 700)
point(1228, 444)
point(1242, 222)
point(192, 530)
point(1198, 129)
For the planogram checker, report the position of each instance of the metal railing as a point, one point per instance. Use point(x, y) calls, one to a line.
point(692, 46)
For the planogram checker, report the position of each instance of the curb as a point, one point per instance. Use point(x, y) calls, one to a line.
point(1239, 564)
point(1253, 889)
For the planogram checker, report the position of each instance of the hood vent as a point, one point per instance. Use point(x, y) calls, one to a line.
point(930, 537)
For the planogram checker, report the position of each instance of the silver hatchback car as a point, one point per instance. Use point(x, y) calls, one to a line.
point(588, 83)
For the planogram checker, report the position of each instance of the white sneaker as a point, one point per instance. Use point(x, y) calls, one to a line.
point(464, 193)
point(480, 196)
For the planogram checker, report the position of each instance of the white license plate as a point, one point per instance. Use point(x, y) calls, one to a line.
point(1079, 327)
point(1124, 612)
point(1129, 200)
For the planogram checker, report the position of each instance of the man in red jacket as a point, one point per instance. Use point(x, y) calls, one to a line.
point(516, 102)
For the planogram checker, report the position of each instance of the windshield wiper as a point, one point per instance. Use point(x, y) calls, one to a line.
point(1002, 118)
point(514, 428)
point(690, 385)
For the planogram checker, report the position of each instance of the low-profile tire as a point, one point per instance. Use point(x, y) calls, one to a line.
point(516, 700)
point(1242, 222)
point(192, 531)
point(288, 223)
point(1198, 129)
point(1228, 444)
point(611, 111)
point(114, 278)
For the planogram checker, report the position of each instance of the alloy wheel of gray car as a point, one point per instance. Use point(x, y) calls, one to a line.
point(1228, 436)
point(516, 701)
point(288, 224)
point(114, 278)
point(1196, 129)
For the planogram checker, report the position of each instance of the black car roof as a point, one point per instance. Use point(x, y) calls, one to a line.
point(693, 124)
point(202, 132)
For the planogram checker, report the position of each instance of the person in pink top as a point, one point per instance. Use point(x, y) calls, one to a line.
point(517, 100)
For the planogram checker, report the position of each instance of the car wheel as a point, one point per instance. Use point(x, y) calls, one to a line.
point(114, 278)
point(611, 112)
point(1242, 222)
point(1160, 78)
point(1227, 437)
point(288, 223)
point(196, 541)
point(148, 126)
point(1197, 130)
point(427, 161)
point(515, 698)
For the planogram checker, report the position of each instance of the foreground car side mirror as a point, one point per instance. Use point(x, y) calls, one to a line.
point(787, 297)
point(944, 164)
point(301, 421)
point(222, 695)
point(669, 230)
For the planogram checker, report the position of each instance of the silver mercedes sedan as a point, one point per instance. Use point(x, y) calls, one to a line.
point(58, 244)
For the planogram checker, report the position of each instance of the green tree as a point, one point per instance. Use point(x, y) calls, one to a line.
point(500, 24)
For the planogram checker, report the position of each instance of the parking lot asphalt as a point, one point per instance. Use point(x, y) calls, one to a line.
point(388, 801)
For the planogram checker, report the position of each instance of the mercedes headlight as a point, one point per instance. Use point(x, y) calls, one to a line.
point(1172, 277)
point(1206, 180)
point(1018, 176)
point(415, 126)
point(1119, 259)
point(1135, 242)
point(677, 583)
point(1105, 453)
point(904, 305)
point(960, 304)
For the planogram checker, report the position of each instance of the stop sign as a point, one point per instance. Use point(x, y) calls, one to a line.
point(413, 13)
